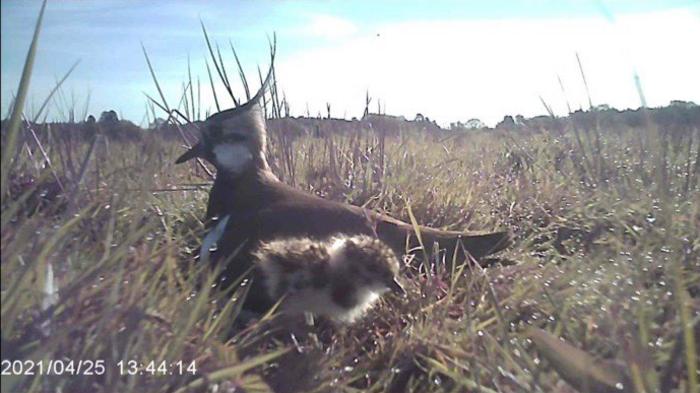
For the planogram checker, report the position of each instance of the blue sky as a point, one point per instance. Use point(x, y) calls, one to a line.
point(451, 60)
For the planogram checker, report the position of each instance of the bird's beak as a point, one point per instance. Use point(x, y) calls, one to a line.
point(196, 151)
point(396, 287)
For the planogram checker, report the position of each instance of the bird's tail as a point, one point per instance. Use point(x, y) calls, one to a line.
point(477, 245)
point(396, 232)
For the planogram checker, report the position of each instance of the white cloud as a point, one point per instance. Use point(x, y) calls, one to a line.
point(329, 27)
point(455, 70)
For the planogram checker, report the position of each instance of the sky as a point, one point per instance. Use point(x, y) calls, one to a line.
point(449, 60)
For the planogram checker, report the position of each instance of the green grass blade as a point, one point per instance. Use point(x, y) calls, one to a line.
point(241, 73)
point(155, 79)
point(54, 90)
point(8, 150)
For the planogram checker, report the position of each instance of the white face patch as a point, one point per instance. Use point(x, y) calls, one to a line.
point(232, 157)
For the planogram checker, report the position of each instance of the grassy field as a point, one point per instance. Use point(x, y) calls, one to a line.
point(606, 257)
point(600, 292)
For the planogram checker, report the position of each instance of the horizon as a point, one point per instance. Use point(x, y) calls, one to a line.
point(405, 57)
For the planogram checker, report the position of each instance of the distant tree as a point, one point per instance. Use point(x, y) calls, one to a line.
point(109, 117)
point(89, 128)
point(583, 119)
point(519, 120)
point(683, 104)
point(419, 117)
point(507, 123)
point(542, 122)
point(474, 124)
point(157, 123)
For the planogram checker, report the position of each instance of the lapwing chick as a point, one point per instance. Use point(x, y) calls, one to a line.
point(340, 278)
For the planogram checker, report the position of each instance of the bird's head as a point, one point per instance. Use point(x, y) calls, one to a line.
point(233, 140)
point(368, 262)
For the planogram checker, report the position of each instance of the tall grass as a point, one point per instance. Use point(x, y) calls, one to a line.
point(609, 264)
point(10, 143)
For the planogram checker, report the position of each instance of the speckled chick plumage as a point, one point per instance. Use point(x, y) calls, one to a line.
point(340, 278)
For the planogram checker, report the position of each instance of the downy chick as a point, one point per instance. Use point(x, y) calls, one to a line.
point(340, 278)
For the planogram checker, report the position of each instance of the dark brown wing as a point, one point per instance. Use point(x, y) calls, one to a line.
point(320, 220)
point(395, 233)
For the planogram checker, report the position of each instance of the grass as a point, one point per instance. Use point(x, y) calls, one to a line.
point(600, 289)
point(609, 265)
